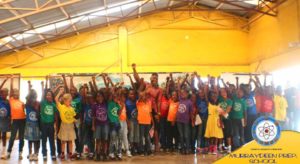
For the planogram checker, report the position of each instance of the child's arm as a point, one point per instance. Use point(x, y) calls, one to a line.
point(135, 73)
point(65, 83)
point(237, 82)
point(131, 81)
point(265, 80)
point(11, 86)
point(61, 90)
point(4, 81)
point(104, 80)
point(184, 80)
point(206, 93)
point(92, 87)
point(29, 86)
point(94, 83)
point(168, 87)
point(43, 90)
point(72, 82)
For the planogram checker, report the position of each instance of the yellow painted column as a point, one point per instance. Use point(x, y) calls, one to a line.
point(123, 49)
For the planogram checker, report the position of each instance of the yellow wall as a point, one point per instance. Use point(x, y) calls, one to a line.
point(158, 42)
point(269, 39)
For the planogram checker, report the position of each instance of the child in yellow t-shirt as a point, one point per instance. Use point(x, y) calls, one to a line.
point(67, 113)
point(280, 106)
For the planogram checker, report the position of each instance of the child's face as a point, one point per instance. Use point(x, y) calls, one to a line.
point(131, 95)
point(49, 97)
point(68, 102)
point(183, 94)
point(174, 96)
point(223, 93)
point(16, 94)
point(142, 95)
point(194, 98)
point(99, 99)
point(154, 80)
point(73, 91)
point(214, 97)
point(201, 94)
point(240, 93)
point(4, 94)
point(90, 99)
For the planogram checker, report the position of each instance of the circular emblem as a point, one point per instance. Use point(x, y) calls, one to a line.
point(181, 108)
point(3, 112)
point(134, 113)
point(266, 130)
point(89, 113)
point(32, 116)
point(49, 110)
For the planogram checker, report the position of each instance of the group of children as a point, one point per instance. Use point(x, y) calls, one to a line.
point(179, 117)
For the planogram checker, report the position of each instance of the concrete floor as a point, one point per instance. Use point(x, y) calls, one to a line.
point(158, 158)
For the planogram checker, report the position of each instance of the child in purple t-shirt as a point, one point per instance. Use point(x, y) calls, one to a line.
point(183, 120)
point(100, 125)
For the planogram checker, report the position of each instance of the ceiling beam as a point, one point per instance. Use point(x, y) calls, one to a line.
point(68, 17)
point(242, 7)
point(38, 11)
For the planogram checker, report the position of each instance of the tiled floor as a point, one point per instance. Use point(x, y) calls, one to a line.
point(160, 158)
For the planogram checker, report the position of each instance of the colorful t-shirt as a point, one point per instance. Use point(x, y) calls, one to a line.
point(258, 100)
point(31, 114)
point(164, 107)
point(113, 110)
point(67, 114)
point(281, 106)
point(131, 109)
point(87, 113)
point(224, 104)
point(173, 108)
point(202, 107)
point(100, 113)
point(4, 109)
point(144, 112)
point(76, 104)
point(123, 116)
point(185, 110)
point(17, 109)
point(251, 106)
point(48, 110)
point(238, 108)
point(267, 105)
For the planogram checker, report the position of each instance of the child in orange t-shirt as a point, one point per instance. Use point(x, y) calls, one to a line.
point(18, 117)
point(144, 107)
point(172, 131)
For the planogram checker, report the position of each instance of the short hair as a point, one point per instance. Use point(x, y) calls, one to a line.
point(154, 74)
point(67, 96)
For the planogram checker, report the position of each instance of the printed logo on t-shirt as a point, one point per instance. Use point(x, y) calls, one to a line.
point(33, 116)
point(3, 112)
point(237, 107)
point(101, 115)
point(49, 110)
point(68, 115)
point(182, 108)
point(250, 102)
point(223, 105)
point(134, 113)
point(114, 111)
point(89, 113)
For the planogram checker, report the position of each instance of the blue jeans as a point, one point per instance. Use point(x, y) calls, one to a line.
point(47, 130)
point(87, 137)
point(184, 135)
point(144, 133)
point(17, 126)
point(201, 141)
point(238, 133)
point(163, 130)
point(115, 144)
point(248, 128)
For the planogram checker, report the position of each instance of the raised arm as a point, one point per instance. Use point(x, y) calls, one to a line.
point(43, 89)
point(11, 86)
point(92, 87)
point(4, 81)
point(135, 73)
point(94, 83)
point(65, 83)
point(237, 83)
point(61, 90)
point(206, 88)
point(131, 81)
point(72, 82)
point(29, 86)
point(104, 80)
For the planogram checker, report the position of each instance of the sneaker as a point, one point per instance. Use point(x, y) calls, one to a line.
point(7, 156)
point(53, 157)
point(72, 157)
point(62, 156)
point(78, 155)
point(3, 156)
point(20, 156)
point(229, 149)
point(30, 157)
point(44, 157)
point(35, 157)
point(91, 156)
point(119, 156)
point(128, 153)
point(112, 156)
point(215, 151)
